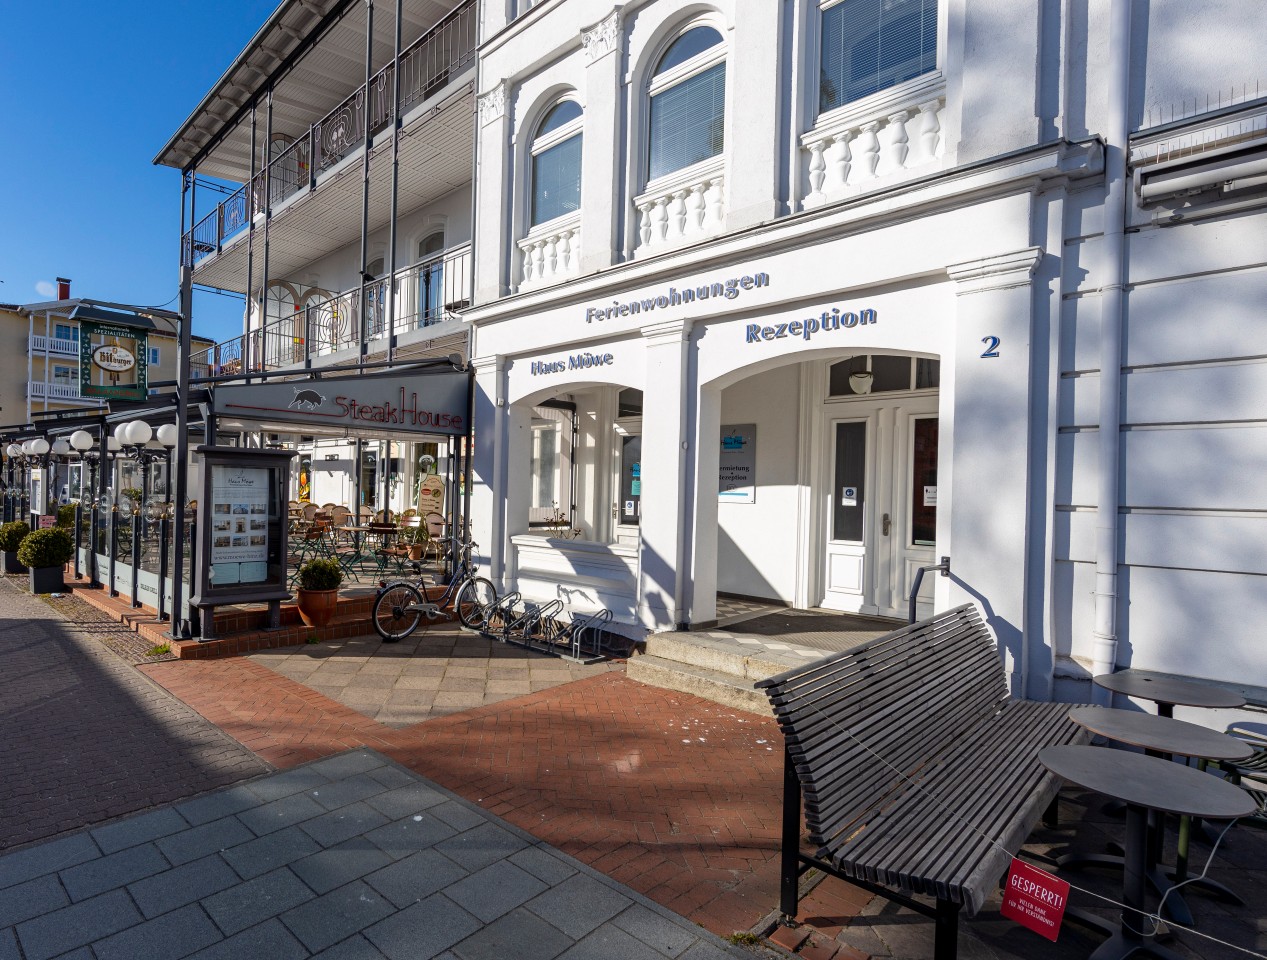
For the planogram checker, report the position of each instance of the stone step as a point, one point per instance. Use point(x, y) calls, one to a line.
point(722, 687)
point(722, 656)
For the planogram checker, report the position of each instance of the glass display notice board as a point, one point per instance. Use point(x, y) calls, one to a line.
point(242, 521)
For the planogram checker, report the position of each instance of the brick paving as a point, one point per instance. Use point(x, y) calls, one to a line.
point(87, 737)
point(348, 857)
point(673, 795)
point(437, 672)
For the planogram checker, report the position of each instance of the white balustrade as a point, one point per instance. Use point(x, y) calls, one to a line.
point(551, 253)
point(61, 345)
point(682, 208)
point(848, 155)
point(38, 389)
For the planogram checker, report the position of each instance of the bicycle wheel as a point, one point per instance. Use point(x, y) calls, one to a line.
point(392, 620)
point(473, 602)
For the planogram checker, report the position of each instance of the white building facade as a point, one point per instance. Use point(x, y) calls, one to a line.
point(789, 299)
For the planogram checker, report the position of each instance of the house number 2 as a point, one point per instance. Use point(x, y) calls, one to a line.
point(991, 347)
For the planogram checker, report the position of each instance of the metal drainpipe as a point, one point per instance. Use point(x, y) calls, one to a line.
point(363, 287)
point(1112, 302)
point(390, 319)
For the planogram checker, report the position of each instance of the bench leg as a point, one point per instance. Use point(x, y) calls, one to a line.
point(1051, 816)
point(946, 936)
point(790, 863)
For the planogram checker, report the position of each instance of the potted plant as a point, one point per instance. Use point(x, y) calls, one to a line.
point(11, 535)
point(416, 539)
point(46, 552)
point(318, 591)
point(66, 516)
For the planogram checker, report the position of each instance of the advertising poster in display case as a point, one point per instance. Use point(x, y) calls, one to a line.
point(241, 530)
point(737, 464)
point(239, 524)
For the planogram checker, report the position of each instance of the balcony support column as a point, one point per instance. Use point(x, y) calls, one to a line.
point(268, 218)
point(180, 625)
point(395, 190)
point(363, 305)
point(250, 226)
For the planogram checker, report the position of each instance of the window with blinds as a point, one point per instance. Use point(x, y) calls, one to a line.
point(556, 164)
point(688, 115)
point(869, 45)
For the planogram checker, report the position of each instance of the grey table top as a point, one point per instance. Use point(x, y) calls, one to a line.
point(1147, 781)
point(1160, 733)
point(1166, 690)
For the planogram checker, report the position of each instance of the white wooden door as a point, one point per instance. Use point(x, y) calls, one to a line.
point(882, 514)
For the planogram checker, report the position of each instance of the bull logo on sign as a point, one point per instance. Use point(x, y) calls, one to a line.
point(306, 400)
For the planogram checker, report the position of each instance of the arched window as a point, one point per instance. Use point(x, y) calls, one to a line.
point(431, 279)
point(870, 45)
point(556, 163)
point(688, 103)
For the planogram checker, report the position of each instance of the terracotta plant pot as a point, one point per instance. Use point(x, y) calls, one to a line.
point(316, 607)
point(415, 551)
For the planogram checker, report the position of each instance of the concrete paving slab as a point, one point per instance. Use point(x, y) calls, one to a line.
point(445, 879)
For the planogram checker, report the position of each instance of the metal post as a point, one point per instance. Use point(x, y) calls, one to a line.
point(365, 174)
point(114, 544)
point(790, 862)
point(391, 236)
point(180, 626)
point(79, 516)
point(268, 217)
point(163, 532)
point(250, 229)
point(356, 489)
point(137, 532)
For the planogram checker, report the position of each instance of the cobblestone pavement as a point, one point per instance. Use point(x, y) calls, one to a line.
point(351, 857)
point(435, 673)
point(88, 738)
point(675, 796)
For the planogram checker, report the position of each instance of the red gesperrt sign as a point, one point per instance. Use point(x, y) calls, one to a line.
point(1035, 899)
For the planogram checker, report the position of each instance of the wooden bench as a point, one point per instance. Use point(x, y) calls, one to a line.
point(919, 773)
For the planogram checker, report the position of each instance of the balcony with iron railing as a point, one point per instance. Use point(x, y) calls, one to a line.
point(425, 295)
point(426, 67)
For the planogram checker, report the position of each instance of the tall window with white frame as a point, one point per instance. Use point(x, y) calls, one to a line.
point(556, 164)
point(871, 45)
point(687, 116)
point(431, 279)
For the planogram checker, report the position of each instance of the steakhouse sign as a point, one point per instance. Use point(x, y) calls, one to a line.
point(414, 403)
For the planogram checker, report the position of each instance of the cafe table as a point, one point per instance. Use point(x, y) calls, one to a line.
point(1168, 692)
point(1162, 737)
point(1144, 784)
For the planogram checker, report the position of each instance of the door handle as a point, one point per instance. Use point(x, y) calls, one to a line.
point(886, 524)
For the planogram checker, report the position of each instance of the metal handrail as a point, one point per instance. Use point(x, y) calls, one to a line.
point(943, 568)
point(425, 67)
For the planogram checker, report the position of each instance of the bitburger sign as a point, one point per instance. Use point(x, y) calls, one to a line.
point(415, 403)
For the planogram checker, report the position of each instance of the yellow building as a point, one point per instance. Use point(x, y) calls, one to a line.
point(40, 351)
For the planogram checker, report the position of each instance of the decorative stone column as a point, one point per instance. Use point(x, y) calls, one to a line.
point(663, 566)
point(488, 466)
point(988, 447)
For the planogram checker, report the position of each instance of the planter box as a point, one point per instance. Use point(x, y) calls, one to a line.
point(47, 580)
point(11, 564)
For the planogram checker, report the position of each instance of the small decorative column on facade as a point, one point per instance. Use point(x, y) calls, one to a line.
point(492, 221)
point(600, 193)
point(989, 449)
point(664, 566)
point(488, 467)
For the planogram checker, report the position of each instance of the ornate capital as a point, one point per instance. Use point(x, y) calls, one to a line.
point(666, 331)
point(492, 105)
point(996, 273)
point(601, 39)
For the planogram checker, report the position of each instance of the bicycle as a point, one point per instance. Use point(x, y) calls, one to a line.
point(401, 606)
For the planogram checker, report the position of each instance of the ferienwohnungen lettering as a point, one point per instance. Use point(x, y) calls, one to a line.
point(726, 290)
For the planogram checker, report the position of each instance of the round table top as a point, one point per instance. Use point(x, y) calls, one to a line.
point(1166, 690)
point(1148, 781)
point(1160, 733)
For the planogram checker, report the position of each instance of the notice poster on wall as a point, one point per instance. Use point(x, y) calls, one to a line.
point(239, 524)
point(737, 464)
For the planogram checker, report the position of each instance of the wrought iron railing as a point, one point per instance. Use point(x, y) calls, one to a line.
point(425, 67)
point(425, 294)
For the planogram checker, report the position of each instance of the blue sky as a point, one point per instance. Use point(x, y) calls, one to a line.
point(89, 93)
